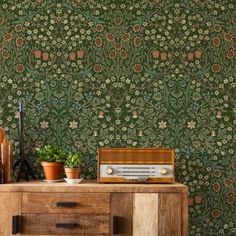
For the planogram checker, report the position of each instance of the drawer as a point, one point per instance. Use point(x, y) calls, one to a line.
point(66, 203)
point(65, 224)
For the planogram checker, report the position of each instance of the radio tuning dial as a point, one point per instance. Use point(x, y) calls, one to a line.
point(109, 170)
point(163, 171)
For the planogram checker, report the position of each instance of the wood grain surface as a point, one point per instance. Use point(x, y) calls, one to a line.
point(6, 155)
point(47, 202)
point(90, 187)
point(169, 214)
point(2, 135)
point(122, 208)
point(33, 224)
point(145, 212)
point(10, 205)
point(143, 209)
point(184, 212)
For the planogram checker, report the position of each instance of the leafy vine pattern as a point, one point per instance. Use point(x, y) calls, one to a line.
point(129, 74)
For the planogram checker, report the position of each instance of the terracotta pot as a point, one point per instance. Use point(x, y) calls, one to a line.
point(52, 170)
point(72, 173)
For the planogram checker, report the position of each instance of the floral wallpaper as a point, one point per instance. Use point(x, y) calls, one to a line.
point(158, 73)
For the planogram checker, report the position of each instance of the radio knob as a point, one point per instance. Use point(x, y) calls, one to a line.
point(163, 171)
point(109, 170)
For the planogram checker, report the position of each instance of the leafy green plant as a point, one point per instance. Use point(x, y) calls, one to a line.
point(50, 154)
point(73, 160)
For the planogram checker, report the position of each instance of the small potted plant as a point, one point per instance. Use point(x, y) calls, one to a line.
point(52, 160)
point(72, 166)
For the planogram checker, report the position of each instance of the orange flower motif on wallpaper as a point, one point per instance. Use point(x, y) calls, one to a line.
point(99, 28)
point(197, 54)
point(230, 54)
point(228, 37)
point(216, 41)
point(137, 41)
point(123, 54)
point(19, 41)
point(126, 37)
point(7, 37)
point(163, 56)
point(5, 54)
point(72, 56)
point(216, 213)
point(118, 21)
point(80, 54)
point(138, 68)
point(112, 54)
point(136, 28)
point(45, 56)
point(98, 41)
point(98, 68)
point(37, 54)
point(20, 68)
point(18, 28)
point(49, 43)
point(110, 37)
point(230, 199)
point(155, 53)
point(198, 199)
point(217, 28)
point(216, 68)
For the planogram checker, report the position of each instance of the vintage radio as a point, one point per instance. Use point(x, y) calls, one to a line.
point(149, 165)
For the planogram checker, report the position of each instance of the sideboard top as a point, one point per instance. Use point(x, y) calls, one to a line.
point(90, 186)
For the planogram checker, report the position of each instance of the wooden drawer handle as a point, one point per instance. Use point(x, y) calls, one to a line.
point(67, 204)
point(66, 225)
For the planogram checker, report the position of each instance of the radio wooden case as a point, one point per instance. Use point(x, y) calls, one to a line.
point(149, 165)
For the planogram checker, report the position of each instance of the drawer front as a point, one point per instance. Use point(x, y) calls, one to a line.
point(65, 224)
point(65, 203)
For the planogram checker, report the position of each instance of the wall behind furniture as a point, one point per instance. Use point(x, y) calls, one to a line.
point(129, 74)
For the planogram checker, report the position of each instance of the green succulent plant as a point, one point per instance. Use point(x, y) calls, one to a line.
point(73, 160)
point(50, 154)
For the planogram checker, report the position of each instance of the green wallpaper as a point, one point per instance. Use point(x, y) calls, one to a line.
point(129, 74)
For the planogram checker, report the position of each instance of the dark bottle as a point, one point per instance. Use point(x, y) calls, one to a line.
point(1, 173)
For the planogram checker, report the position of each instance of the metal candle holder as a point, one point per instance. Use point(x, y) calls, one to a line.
point(24, 168)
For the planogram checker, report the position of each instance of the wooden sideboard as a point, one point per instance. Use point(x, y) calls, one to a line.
point(38, 208)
